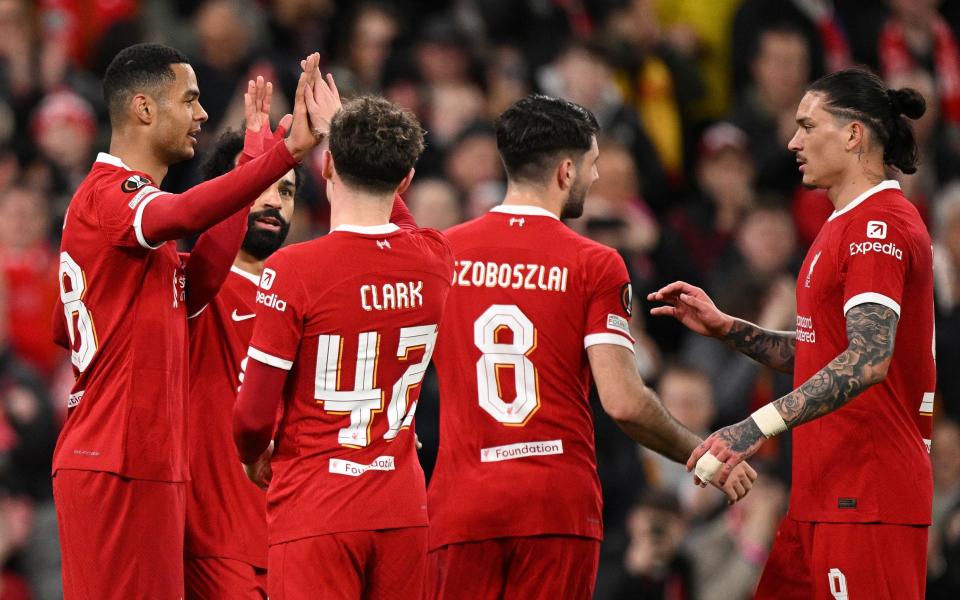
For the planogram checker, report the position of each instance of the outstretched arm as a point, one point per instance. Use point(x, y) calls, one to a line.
point(639, 413)
point(693, 307)
point(871, 331)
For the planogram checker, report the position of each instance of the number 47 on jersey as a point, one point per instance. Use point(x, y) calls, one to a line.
point(365, 399)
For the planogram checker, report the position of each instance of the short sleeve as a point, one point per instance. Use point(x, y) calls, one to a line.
point(280, 303)
point(875, 255)
point(120, 207)
point(609, 300)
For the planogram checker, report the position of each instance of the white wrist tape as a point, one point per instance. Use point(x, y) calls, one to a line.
point(707, 467)
point(769, 421)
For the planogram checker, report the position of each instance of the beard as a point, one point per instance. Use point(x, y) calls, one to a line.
point(260, 243)
point(573, 207)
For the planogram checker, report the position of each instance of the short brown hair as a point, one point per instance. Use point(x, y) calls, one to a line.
point(374, 143)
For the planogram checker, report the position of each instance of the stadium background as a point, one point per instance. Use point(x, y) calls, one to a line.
point(696, 100)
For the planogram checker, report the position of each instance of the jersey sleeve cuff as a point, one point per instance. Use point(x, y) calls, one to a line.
point(594, 339)
point(269, 359)
point(138, 221)
point(872, 298)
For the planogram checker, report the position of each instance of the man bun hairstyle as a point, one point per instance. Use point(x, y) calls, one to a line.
point(859, 94)
point(138, 68)
point(537, 131)
point(374, 143)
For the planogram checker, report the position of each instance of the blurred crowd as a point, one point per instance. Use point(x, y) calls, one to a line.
point(696, 101)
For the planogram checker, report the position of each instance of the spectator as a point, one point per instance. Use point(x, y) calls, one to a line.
point(729, 552)
point(582, 74)
point(766, 108)
point(434, 204)
point(28, 265)
point(946, 271)
point(654, 565)
point(755, 281)
point(371, 33)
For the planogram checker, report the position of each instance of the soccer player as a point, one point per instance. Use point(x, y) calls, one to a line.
point(345, 327)
point(225, 545)
point(121, 461)
point(535, 310)
point(862, 358)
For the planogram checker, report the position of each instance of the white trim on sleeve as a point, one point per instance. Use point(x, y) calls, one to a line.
point(873, 298)
point(138, 220)
point(594, 339)
point(269, 359)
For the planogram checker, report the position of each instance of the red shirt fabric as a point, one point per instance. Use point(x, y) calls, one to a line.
point(125, 312)
point(517, 454)
point(868, 461)
point(353, 316)
point(226, 512)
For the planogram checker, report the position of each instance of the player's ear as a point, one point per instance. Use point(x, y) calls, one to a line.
point(143, 108)
point(406, 182)
point(326, 165)
point(855, 132)
point(566, 173)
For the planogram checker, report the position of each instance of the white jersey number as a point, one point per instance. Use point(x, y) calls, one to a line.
point(499, 357)
point(73, 284)
point(365, 399)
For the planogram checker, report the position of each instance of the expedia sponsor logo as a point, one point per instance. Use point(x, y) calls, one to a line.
point(266, 278)
point(345, 467)
point(521, 450)
point(890, 249)
point(271, 301)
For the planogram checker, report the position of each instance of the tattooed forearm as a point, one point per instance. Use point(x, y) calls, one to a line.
point(871, 329)
point(742, 436)
point(772, 348)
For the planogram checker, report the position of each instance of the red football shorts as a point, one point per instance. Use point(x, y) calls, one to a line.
point(386, 564)
point(223, 579)
point(120, 538)
point(528, 568)
point(844, 561)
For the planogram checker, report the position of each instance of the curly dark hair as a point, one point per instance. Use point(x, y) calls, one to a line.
point(137, 68)
point(374, 143)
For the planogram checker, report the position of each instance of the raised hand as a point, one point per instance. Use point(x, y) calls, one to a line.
point(691, 306)
point(323, 101)
point(302, 139)
point(731, 446)
point(256, 109)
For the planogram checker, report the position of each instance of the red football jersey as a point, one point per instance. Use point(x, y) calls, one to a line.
point(353, 316)
point(226, 512)
point(517, 453)
point(125, 313)
point(868, 461)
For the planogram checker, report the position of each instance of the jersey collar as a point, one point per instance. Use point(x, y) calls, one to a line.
point(887, 184)
point(526, 210)
point(369, 230)
point(250, 276)
point(110, 159)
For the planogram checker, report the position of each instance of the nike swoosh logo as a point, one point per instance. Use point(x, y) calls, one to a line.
point(237, 317)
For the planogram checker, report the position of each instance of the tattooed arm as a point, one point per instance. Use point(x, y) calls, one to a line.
point(693, 307)
point(774, 349)
point(871, 330)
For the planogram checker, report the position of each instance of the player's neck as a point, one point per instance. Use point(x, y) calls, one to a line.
point(246, 262)
point(849, 188)
point(137, 155)
point(522, 195)
point(351, 207)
